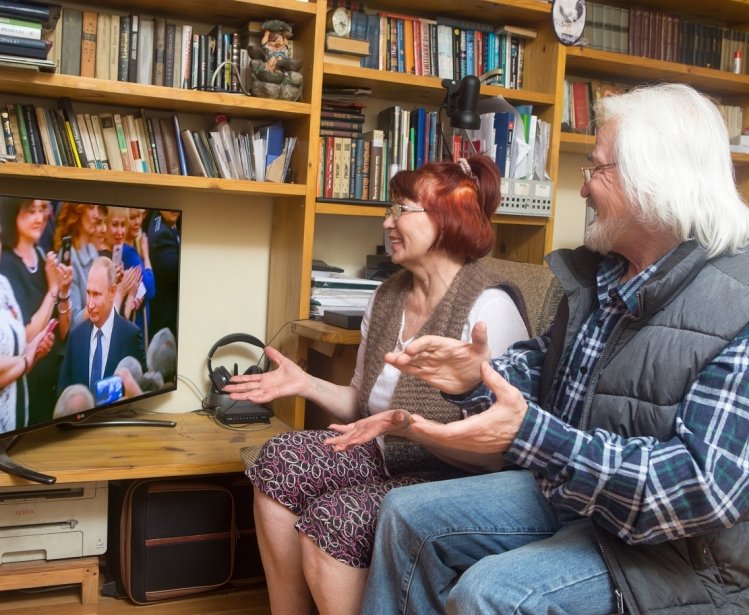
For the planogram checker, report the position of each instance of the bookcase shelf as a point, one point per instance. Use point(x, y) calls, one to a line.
point(126, 94)
point(418, 89)
point(524, 12)
point(43, 172)
point(610, 65)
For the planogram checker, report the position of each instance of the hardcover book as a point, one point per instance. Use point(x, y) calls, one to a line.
point(72, 31)
point(88, 44)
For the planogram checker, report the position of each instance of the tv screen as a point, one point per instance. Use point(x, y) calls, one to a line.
point(89, 295)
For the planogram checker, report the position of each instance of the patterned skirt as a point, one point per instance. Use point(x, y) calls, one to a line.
point(337, 496)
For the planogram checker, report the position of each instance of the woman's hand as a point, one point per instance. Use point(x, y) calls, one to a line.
point(40, 345)
point(447, 364)
point(53, 273)
point(66, 279)
point(287, 379)
point(396, 422)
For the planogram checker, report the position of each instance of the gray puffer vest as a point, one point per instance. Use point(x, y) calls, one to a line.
point(689, 311)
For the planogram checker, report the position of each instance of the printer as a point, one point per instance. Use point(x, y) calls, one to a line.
point(53, 521)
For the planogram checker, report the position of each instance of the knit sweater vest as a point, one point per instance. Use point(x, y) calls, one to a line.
point(447, 320)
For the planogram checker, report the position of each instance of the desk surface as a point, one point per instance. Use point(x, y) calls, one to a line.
point(197, 445)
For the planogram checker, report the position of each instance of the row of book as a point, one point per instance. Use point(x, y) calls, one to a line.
point(142, 143)
point(356, 164)
point(580, 95)
point(153, 51)
point(660, 35)
point(442, 47)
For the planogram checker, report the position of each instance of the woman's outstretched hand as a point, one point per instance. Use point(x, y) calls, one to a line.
point(396, 422)
point(287, 379)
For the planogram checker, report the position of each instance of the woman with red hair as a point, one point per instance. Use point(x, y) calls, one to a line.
point(315, 509)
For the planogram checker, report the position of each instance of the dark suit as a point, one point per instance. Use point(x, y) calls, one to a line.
point(127, 340)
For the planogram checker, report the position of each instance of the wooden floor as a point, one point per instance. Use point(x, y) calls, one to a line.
point(66, 601)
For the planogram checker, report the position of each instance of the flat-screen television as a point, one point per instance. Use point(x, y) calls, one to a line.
point(89, 295)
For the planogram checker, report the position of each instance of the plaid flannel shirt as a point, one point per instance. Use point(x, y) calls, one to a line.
point(641, 489)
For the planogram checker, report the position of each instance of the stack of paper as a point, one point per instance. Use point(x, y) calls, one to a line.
point(335, 291)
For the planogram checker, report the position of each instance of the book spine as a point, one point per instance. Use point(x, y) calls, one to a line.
point(169, 42)
point(154, 126)
point(17, 112)
point(66, 106)
point(329, 167)
point(98, 138)
point(20, 28)
point(32, 129)
point(88, 148)
point(103, 45)
point(122, 143)
point(132, 58)
point(123, 57)
point(180, 148)
point(10, 144)
point(49, 146)
point(88, 44)
point(186, 57)
point(170, 146)
point(159, 51)
point(72, 31)
point(61, 132)
point(111, 144)
point(33, 12)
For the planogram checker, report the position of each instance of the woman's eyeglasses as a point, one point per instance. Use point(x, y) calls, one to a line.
point(396, 209)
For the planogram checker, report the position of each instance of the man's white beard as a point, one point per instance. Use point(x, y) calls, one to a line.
point(601, 235)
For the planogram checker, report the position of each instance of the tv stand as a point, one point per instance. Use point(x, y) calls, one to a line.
point(118, 422)
point(11, 467)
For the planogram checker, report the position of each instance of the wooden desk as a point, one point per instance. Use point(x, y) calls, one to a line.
point(197, 445)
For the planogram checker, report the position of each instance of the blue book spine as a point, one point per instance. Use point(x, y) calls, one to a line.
point(359, 168)
point(180, 147)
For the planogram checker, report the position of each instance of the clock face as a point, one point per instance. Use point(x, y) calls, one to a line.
point(568, 17)
point(339, 21)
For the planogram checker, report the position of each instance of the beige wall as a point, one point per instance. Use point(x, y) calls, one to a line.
point(569, 222)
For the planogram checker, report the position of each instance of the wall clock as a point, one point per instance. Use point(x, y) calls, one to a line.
point(568, 17)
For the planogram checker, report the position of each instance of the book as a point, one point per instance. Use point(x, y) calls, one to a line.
point(88, 147)
point(186, 57)
point(98, 156)
point(114, 47)
point(146, 144)
point(144, 71)
point(32, 130)
point(88, 44)
point(103, 45)
point(170, 146)
point(376, 140)
point(530, 33)
point(192, 157)
point(347, 59)
point(123, 143)
point(64, 142)
point(51, 155)
point(111, 143)
point(154, 127)
point(72, 32)
point(206, 154)
point(19, 127)
point(158, 71)
point(9, 138)
point(132, 58)
point(180, 146)
point(123, 57)
point(98, 138)
point(342, 44)
point(20, 27)
point(66, 106)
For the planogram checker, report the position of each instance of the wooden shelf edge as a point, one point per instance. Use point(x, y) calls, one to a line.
point(319, 331)
point(40, 172)
point(126, 94)
point(612, 66)
point(384, 84)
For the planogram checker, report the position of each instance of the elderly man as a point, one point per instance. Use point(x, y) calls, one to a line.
point(624, 430)
point(96, 346)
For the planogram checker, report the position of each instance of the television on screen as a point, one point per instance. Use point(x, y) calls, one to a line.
point(89, 296)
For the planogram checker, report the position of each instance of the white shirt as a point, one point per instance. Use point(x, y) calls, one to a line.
point(106, 340)
point(493, 306)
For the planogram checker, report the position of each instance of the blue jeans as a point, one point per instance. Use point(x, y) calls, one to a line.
point(483, 544)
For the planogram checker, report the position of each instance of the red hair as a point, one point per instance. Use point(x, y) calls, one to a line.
point(461, 205)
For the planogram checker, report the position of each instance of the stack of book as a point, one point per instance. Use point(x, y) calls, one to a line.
point(345, 50)
point(25, 33)
point(336, 291)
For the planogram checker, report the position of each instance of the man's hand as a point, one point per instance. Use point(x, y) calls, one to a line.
point(447, 364)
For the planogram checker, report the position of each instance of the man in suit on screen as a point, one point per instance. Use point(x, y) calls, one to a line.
point(97, 345)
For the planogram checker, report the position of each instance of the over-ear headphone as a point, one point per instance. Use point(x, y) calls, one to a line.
point(220, 376)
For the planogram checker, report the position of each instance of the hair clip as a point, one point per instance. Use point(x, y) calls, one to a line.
point(466, 168)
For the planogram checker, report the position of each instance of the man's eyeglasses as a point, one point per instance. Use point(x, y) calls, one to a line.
point(587, 172)
point(396, 209)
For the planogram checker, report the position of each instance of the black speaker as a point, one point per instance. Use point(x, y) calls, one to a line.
point(235, 411)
